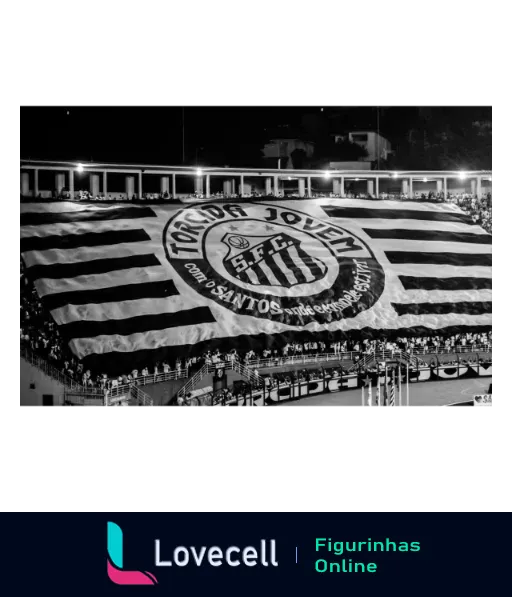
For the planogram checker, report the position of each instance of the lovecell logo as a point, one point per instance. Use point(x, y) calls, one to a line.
point(166, 556)
point(115, 570)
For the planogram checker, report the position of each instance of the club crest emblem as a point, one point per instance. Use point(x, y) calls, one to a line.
point(274, 262)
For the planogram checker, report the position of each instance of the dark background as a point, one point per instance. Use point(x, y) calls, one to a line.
point(426, 138)
point(152, 135)
point(65, 554)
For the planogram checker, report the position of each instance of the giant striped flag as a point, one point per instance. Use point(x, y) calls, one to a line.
point(132, 283)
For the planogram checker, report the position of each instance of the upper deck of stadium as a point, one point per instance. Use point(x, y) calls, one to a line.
point(44, 179)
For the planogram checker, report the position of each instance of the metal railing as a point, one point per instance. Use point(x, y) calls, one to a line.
point(299, 359)
point(454, 350)
point(238, 366)
point(208, 398)
point(280, 361)
point(386, 355)
point(367, 358)
point(145, 380)
point(231, 365)
point(241, 367)
point(248, 373)
point(149, 380)
point(196, 378)
point(96, 397)
point(67, 381)
point(48, 369)
point(411, 358)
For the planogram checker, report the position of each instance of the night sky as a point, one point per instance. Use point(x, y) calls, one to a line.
point(144, 132)
point(151, 133)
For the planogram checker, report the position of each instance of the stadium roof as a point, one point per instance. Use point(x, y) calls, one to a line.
point(219, 171)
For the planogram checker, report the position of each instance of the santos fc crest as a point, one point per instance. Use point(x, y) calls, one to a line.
point(270, 261)
point(276, 260)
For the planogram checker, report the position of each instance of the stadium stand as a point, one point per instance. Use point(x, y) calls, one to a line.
point(480, 209)
point(40, 338)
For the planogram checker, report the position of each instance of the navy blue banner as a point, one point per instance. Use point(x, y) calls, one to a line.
point(254, 554)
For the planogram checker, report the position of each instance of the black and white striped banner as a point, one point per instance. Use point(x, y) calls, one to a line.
point(128, 283)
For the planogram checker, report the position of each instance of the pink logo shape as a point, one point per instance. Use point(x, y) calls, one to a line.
point(129, 577)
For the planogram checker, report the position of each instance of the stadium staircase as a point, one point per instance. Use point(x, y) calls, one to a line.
point(247, 372)
point(387, 355)
point(412, 360)
point(193, 381)
point(251, 376)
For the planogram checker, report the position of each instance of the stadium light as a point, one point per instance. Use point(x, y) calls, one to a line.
point(199, 172)
point(327, 175)
point(462, 176)
point(80, 168)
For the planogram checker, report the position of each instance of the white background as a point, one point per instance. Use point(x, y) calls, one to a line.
point(433, 494)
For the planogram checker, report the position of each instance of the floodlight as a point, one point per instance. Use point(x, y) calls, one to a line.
point(80, 168)
point(462, 175)
point(327, 175)
point(199, 172)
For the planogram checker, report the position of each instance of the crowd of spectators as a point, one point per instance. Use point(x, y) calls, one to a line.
point(412, 344)
point(82, 195)
point(480, 209)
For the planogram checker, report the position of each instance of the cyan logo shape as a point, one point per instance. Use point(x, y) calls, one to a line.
point(115, 570)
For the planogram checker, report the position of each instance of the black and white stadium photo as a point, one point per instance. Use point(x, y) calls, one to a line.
point(266, 256)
